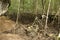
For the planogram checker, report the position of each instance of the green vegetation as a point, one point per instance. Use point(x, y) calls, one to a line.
point(29, 6)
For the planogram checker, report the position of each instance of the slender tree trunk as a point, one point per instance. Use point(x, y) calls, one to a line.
point(47, 14)
point(17, 16)
point(43, 6)
point(46, 26)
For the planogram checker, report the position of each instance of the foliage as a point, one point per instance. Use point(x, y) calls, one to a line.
point(28, 6)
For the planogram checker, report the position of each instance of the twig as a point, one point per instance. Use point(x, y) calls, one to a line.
point(47, 14)
point(46, 26)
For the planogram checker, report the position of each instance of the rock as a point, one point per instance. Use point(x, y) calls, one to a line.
point(4, 4)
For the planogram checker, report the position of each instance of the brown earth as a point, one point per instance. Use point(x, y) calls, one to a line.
point(10, 37)
point(6, 24)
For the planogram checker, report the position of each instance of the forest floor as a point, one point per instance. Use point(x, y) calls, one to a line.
point(31, 31)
